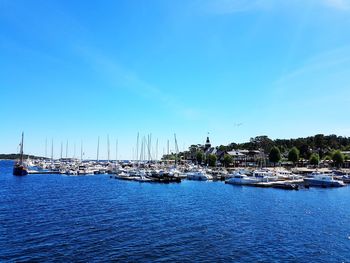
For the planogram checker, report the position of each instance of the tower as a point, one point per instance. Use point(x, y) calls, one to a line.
point(207, 144)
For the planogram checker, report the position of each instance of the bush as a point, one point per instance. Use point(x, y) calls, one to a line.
point(314, 159)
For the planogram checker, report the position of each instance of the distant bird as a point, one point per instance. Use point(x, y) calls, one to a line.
point(238, 124)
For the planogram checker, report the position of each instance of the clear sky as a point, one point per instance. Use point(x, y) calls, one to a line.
point(76, 70)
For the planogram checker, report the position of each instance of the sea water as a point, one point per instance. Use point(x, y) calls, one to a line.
point(46, 218)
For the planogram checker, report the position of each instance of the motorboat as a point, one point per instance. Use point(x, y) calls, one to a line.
point(322, 180)
point(241, 179)
point(199, 176)
point(264, 176)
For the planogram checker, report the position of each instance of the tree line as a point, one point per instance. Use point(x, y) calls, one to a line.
point(311, 149)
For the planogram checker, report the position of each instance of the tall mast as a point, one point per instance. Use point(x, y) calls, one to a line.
point(45, 148)
point(137, 147)
point(108, 146)
point(74, 150)
point(61, 149)
point(149, 147)
point(51, 150)
point(67, 149)
point(141, 150)
point(116, 151)
point(157, 150)
point(168, 148)
point(176, 149)
point(144, 148)
point(98, 147)
point(81, 151)
point(21, 149)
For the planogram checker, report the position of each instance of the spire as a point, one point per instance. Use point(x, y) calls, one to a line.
point(207, 142)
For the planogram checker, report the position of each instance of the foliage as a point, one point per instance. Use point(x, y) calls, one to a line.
point(212, 160)
point(275, 155)
point(199, 157)
point(324, 145)
point(228, 159)
point(13, 156)
point(338, 158)
point(293, 155)
point(314, 159)
point(261, 142)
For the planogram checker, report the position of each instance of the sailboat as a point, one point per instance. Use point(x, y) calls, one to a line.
point(20, 168)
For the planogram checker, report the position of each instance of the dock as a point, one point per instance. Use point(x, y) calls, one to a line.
point(43, 172)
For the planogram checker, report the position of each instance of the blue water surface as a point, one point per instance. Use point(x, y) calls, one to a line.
point(55, 218)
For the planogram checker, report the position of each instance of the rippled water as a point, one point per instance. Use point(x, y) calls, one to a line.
point(95, 218)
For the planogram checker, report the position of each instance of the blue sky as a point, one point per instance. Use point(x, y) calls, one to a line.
point(76, 70)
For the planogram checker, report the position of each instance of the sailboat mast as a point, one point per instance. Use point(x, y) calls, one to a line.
point(116, 151)
point(137, 147)
point(108, 147)
point(157, 150)
point(45, 148)
point(61, 149)
point(81, 151)
point(67, 149)
point(51, 150)
point(98, 148)
point(21, 150)
point(176, 149)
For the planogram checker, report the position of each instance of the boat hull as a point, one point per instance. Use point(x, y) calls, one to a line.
point(321, 183)
point(237, 181)
point(19, 171)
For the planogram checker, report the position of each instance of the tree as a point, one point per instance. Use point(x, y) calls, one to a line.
point(305, 151)
point(293, 155)
point(338, 158)
point(212, 160)
point(261, 142)
point(228, 159)
point(314, 159)
point(275, 155)
point(199, 157)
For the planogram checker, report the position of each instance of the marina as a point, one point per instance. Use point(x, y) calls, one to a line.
point(146, 170)
point(161, 172)
point(175, 131)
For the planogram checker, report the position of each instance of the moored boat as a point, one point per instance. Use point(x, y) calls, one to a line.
point(241, 179)
point(20, 167)
point(322, 180)
point(199, 176)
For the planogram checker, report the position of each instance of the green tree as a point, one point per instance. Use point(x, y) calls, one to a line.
point(338, 158)
point(275, 155)
point(228, 159)
point(293, 155)
point(199, 157)
point(212, 160)
point(314, 159)
point(305, 151)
